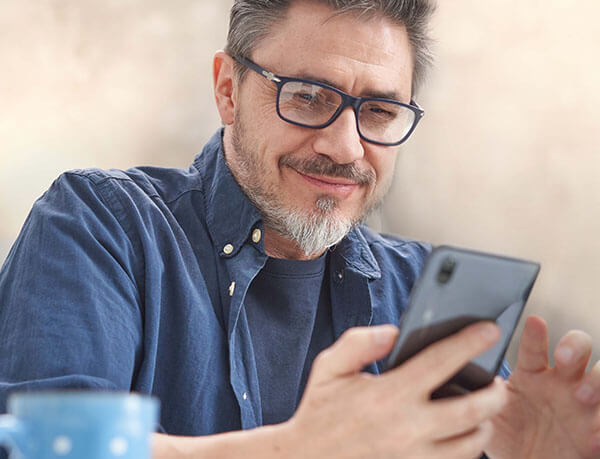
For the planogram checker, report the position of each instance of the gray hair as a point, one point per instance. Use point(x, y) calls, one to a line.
point(251, 21)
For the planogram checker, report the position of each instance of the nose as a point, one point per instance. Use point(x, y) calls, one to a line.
point(340, 140)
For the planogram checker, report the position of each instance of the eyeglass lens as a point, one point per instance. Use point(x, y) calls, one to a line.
point(313, 105)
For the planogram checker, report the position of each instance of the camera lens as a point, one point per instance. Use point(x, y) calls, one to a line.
point(446, 270)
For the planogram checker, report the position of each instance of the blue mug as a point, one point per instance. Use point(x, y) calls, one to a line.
point(78, 425)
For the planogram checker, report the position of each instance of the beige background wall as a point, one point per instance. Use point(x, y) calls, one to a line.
point(506, 159)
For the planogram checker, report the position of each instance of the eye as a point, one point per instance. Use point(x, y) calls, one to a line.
point(383, 112)
point(306, 97)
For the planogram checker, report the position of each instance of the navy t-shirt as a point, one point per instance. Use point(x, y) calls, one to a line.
point(288, 304)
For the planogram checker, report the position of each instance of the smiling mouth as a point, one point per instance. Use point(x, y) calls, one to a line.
point(330, 180)
point(334, 185)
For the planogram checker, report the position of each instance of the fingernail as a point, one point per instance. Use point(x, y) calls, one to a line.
point(490, 332)
point(383, 333)
point(564, 354)
point(585, 393)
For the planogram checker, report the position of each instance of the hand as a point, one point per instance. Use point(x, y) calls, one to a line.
point(550, 414)
point(348, 413)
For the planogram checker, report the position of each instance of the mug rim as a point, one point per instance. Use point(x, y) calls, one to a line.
point(72, 395)
point(80, 393)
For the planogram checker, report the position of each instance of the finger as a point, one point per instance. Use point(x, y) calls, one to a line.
point(464, 413)
point(356, 348)
point(469, 445)
point(572, 354)
point(588, 391)
point(532, 355)
point(438, 362)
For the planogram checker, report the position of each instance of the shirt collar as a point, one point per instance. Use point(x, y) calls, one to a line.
point(230, 215)
point(354, 249)
point(232, 218)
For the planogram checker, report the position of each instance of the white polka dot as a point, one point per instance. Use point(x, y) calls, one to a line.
point(119, 446)
point(62, 445)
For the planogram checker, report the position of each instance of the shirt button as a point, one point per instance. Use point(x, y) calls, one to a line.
point(256, 235)
point(340, 275)
point(231, 289)
point(228, 249)
point(245, 395)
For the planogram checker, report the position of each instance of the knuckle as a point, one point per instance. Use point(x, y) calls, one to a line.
point(468, 342)
point(453, 351)
point(349, 335)
point(353, 336)
point(321, 360)
point(448, 349)
point(435, 358)
point(473, 411)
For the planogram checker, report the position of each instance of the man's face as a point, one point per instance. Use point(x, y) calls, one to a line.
point(315, 184)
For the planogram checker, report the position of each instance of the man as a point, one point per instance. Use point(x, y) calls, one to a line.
point(216, 288)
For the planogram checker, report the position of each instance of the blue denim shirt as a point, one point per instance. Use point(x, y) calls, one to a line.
point(135, 280)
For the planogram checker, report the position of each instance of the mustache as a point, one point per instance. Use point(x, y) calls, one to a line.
point(322, 165)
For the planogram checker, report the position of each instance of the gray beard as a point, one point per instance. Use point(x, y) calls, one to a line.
point(312, 230)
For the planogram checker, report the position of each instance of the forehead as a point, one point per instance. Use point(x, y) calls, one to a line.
point(357, 54)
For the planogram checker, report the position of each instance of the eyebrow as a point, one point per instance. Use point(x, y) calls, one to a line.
point(393, 95)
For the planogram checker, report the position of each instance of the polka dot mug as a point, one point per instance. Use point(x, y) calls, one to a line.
point(78, 425)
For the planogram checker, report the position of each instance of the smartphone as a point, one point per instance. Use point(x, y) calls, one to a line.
point(458, 287)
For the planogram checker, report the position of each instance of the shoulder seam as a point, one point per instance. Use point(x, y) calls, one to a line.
point(113, 202)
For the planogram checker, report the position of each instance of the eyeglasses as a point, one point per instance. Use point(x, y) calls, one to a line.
point(316, 105)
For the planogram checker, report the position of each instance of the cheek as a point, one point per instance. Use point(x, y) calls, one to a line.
point(382, 159)
point(384, 163)
point(266, 112)
point(274, 136)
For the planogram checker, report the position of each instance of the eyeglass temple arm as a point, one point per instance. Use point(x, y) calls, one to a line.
point(258, 69)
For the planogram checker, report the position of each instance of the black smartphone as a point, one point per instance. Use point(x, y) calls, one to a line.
point(458, 287)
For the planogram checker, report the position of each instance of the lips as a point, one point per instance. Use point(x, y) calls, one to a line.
point(330, 180)
point(323, 169)
point(333, 185)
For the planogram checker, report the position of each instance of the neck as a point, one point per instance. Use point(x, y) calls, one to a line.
point(278, 246)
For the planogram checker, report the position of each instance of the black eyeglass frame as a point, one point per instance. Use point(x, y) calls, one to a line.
point(347, 101)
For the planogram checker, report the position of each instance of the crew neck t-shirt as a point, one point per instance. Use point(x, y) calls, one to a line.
point(289, 314)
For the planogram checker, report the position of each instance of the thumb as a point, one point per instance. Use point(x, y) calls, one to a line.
point(356, 348)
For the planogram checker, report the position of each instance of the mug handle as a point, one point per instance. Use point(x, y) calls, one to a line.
point(12, 432)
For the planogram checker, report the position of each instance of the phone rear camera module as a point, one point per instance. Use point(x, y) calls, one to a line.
point(446, 270)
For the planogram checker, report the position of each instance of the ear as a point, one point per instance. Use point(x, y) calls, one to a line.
point(224, 86)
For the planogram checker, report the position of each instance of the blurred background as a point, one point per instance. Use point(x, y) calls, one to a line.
point(507, 158)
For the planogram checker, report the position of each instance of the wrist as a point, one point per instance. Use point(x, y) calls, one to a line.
point(273, 441)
